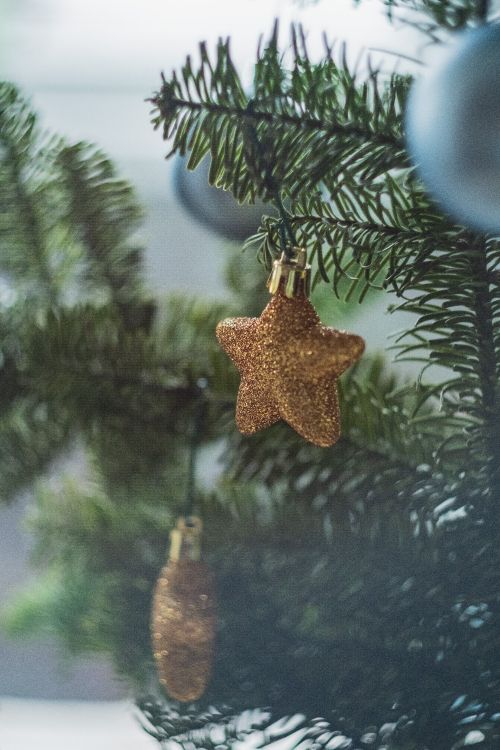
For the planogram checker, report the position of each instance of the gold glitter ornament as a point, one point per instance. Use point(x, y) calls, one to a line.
point(289, 362)
point(184, 615)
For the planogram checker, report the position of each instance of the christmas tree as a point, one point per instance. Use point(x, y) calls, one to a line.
point(357, 585)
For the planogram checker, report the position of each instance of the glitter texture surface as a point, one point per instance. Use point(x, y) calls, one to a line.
point(183, 628)
point(289, 364)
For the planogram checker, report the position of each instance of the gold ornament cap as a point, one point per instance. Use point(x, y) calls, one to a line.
point(292, 275)
point(185, 539)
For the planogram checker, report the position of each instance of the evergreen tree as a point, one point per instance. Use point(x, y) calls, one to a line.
point(360, 583)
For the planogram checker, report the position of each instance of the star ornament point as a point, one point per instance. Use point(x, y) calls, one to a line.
point(289, 364)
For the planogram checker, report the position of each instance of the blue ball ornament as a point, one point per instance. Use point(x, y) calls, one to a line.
point(214, 207)
point(453, 129)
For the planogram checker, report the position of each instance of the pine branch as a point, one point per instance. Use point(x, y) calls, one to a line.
point(488, 361)
point(378, 228)
point(296, 605)
point(384, 471)
point(168, 725)
point(101, 213)
point(33, 430)
point(56, 195)
point(338, 571)
point(391, 238)
point(127, 393)
point(436, 17)
point(310, 121)
point(367, 236)
point(26, 200)
point(85, 353)
point(455, 301)
point(32, 435)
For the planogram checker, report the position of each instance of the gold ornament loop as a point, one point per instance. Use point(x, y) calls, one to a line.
point(185, 539)
point(292, 275)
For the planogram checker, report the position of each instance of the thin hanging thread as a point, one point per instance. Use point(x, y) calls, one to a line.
point(196, 434)
point(269, 183)
point(483, 9)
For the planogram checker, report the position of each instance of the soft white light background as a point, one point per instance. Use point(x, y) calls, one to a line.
point(47, 725)
point(88, 66)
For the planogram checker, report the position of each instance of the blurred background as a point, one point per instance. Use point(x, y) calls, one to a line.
point(88, 66)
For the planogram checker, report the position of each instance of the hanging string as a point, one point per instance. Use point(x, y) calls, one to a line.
point(195, 439)
point(263, 176)
point(483, 9)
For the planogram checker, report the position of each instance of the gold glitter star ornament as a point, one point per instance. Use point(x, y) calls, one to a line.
point(288, 361)
point(184, 615)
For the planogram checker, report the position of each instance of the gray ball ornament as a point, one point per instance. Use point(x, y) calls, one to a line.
point(214, 207)
point(453, 129)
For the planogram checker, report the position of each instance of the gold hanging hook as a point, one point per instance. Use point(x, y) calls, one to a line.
point(293, 275)
point(185, 539)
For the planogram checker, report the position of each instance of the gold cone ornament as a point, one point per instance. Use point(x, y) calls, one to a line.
point(184, 616)
point(288, 360)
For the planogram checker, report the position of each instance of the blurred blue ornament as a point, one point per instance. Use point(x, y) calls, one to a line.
point(453, 129)
point(214, 207)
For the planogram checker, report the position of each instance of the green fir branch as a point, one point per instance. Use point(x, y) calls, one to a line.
point(436, 17)
point(366, 236)
point(66, 219)
point(338, 571)
point(298, 598)
point(310, 121)
point(455, 301)
point(385, 467)
point(377, 228)
point(33, 433)
point(26, 199)
point(101, 214)
point(391, 238)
